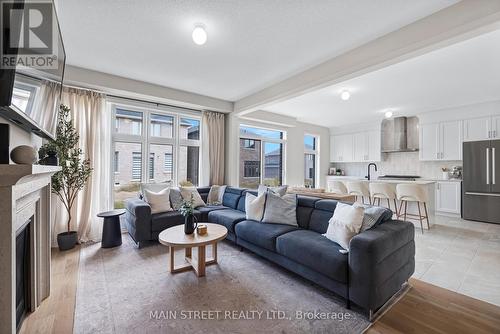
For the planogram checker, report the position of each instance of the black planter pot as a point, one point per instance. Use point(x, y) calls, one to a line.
point(67, 240)
point(51, 159)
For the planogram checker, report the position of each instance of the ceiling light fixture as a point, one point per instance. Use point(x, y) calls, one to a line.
point(388, 114)
point(199, 34)
point(345, 95)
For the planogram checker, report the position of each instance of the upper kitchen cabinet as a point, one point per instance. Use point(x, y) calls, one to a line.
point(357, 147)
point(441, 141)
point(341, 148)
point(483, 128)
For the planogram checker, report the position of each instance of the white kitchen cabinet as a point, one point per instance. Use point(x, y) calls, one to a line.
point(441, 141)
point(366, 146)
point(429, 141)
point(374, 142)
point(360, 146)
point(451, 140)
point(341, 148)
point(448, 197)
point(495, 127)
point(477, 129)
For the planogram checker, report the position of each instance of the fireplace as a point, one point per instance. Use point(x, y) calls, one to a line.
point(23, 272)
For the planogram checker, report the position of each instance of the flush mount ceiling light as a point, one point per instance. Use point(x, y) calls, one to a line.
point(199, 34)
point(388, 114)
point(345, 95)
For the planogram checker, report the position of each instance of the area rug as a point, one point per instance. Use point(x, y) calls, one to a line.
point(130, 290)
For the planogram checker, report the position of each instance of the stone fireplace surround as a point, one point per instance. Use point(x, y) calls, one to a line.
point(24, 193)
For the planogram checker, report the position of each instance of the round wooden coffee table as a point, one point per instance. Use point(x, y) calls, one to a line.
point(174, 237)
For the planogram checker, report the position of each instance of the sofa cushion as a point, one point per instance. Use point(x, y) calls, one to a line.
point(313, 250)
point(164, 220)
point(260, 234)
point(323, 211)
point(205, 210)
point(226, 217)
point(231, 197)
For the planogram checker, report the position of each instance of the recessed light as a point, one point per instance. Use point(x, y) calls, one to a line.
point(199, 34)
point(345, 95)
point(388, 114)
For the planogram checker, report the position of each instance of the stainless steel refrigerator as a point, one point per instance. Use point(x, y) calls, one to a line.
point(481, 181)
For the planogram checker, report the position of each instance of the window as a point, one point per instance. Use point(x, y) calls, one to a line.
point(136, 165)
point(117, 161)
point(151, 166)
point(310, 157)
point(156, 145)
point(261, 157)
point(252, 169)
point(249, 143)
point(23, 96)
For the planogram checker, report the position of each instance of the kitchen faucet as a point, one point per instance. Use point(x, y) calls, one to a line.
point(369, 165)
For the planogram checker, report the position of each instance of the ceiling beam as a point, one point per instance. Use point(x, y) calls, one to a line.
point(453, 24)
point(124, 87)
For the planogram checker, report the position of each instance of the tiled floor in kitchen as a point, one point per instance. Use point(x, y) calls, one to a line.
point(462, 256)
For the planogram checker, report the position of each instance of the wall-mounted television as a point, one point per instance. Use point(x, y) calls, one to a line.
point(31, 65)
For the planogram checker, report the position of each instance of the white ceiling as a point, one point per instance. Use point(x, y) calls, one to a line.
point(251, 43)
point(461, 74)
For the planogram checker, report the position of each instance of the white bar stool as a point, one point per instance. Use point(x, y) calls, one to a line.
point(359, 188)
point(413, 193)
point(387, 191)
point(337, 187)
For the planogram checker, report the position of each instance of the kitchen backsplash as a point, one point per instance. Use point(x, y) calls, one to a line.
point(403, 163)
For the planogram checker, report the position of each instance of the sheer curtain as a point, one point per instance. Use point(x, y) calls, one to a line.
point(92, 121)
point(213, 146)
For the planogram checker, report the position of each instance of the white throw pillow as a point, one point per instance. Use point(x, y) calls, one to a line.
point(345, 223)
point(159, 202)
point(187, 192)
point(254, 206)
point(154, 187)
point(215, 195)
point(280, 190)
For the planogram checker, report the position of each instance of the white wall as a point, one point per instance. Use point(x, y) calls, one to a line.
point(19, 136)
point(294, 148)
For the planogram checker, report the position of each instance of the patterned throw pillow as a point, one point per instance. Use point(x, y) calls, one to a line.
point(215, 195)
point(345, 224)
point(175, 198)
point(280, 209)
point(188, 192)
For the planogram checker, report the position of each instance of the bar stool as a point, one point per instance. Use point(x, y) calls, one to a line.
point(337, 187)
point(413, 193)
point(359, 188)
point(387, 191)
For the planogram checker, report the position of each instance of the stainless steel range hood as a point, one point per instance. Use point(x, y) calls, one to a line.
point(400, 134)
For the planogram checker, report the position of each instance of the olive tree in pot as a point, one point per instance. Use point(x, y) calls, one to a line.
point(75, 172)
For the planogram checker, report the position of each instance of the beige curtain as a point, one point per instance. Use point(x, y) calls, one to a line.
point(93, 123)
point(46, 99)
point(214, 139)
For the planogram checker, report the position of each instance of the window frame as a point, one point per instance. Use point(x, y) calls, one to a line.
point(146, 139)
point(314, 152)
point(263, 141)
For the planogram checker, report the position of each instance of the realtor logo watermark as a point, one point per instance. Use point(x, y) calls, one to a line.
point(29, 35)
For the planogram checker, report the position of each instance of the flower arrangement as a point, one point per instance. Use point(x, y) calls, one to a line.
point(187, 208)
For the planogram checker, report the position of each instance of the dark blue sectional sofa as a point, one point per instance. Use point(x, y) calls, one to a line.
point(379, 262)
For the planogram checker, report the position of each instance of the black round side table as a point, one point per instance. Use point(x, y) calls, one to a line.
point(111, 230)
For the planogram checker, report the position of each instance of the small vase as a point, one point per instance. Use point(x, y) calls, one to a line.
point(189, 224)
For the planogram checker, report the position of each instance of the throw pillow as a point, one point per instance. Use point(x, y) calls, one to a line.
point(188, 192)
point(159, 201)
point(280, 209)
point(175, 198)
point(345, 224)
point(281, 190)
point(154, 187)
point(374, 215)
point(215, 195)
point(254, 206)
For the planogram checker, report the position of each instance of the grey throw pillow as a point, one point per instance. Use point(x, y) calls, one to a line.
point(175, 198)
point(374, 215)
point(280, 209)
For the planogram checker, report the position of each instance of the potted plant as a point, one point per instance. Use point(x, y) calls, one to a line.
point(74, 174)
point(187, 210)
point(48, 154)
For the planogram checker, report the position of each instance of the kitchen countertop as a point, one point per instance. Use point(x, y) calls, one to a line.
point(360, 178)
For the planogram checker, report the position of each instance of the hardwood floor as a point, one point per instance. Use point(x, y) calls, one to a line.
point(427, 308)
point(56, 313)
